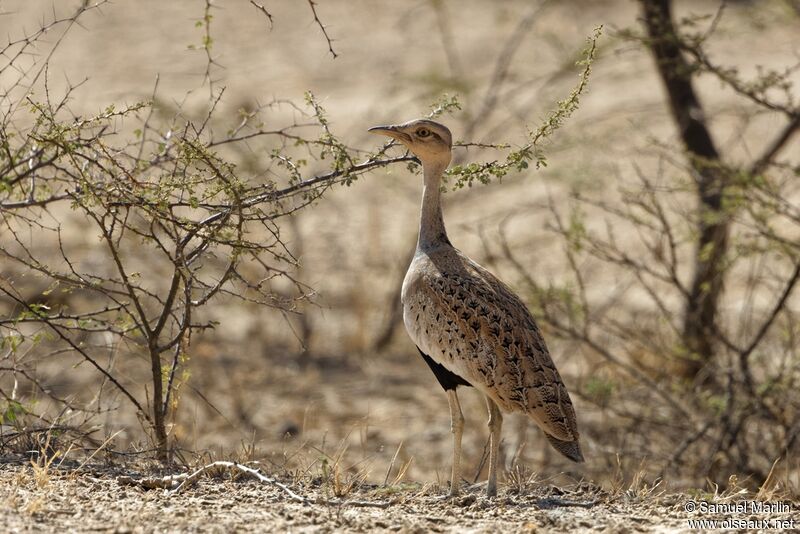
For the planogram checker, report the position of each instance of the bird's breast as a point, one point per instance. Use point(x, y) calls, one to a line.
point(432, 327)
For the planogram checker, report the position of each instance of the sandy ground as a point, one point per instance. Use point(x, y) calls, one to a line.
point(95, 499)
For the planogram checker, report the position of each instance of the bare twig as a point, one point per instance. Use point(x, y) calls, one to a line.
point(772, 149)
point(313, 6)
point(501, 68)
point(266, 13)
point(174, 484)
point(779, 306)
point(446, 34)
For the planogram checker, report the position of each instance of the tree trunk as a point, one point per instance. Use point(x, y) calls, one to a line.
point(687, 112)
point(159, 419)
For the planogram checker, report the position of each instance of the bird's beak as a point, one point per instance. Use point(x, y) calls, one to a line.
point(391, 131)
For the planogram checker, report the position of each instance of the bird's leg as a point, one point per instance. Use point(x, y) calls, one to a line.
point(495, 425)
point(457, 427)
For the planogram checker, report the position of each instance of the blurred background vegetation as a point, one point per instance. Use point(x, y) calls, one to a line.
point(202, 248)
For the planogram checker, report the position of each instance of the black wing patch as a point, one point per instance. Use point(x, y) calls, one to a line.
point(447, 379)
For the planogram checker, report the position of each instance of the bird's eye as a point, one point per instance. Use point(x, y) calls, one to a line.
point(423, 132)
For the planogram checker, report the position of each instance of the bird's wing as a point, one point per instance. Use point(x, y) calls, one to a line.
point(473, 324)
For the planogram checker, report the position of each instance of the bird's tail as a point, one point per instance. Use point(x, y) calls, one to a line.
point(570, 449)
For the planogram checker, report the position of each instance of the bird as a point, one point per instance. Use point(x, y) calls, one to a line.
point(470, 328)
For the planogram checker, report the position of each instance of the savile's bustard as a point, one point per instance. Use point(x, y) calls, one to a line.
point(470, 328)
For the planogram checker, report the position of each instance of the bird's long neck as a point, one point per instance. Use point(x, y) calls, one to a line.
point(431, 224)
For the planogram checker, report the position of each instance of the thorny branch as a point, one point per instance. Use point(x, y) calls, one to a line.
point(263, 10)
point(313, 5)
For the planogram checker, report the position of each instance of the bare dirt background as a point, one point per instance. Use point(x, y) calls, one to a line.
point(308, 395)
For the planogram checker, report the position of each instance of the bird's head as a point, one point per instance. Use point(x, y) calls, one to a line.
point(430, 141)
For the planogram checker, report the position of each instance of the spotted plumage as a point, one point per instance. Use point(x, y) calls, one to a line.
point(476, 315)
point(470, 328)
